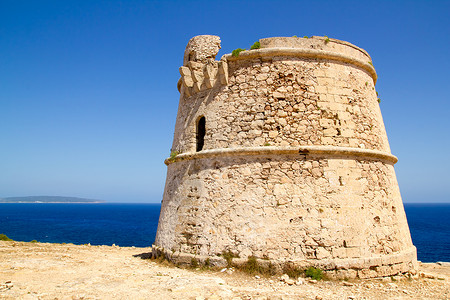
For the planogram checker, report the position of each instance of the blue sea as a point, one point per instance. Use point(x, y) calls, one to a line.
point(135, 225)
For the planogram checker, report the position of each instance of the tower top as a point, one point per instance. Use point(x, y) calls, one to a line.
point(202, 48)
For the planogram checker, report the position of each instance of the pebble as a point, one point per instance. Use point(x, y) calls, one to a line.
point(392, 285)
point(284, 277)
point(427, 275)
point(345, 283)
point(290, 281)
point(397, 278)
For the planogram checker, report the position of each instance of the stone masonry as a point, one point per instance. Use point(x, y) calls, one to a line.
point(281, 153)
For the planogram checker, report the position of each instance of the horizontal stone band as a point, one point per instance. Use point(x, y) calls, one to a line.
point(308, 53)
point(329, 151)
point(359, 263)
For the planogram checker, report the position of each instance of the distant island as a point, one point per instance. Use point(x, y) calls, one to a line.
point(48, 199)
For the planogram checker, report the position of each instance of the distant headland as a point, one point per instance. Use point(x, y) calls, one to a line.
point(48, 199)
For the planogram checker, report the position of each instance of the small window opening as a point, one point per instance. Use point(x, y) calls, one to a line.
point(201, 130)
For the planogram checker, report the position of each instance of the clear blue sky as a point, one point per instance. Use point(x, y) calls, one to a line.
point(88, 96)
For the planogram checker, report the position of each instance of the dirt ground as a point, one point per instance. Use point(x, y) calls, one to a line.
point(67, 271)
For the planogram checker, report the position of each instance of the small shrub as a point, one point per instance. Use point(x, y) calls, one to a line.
point(327, 40)
point(292, 271)
point(3, 237)
point(256, 45)
point(251, 266)
point(162, 257)
point(306, 37)
point(33, 241)
point(379, 100)
point(266, 144)
point(314, 273)
point(236, 52)
point(271, 270)
point(228, 256)
point(194, 263)
point(173, 155)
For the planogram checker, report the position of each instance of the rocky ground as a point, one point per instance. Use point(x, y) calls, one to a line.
point(67, 271)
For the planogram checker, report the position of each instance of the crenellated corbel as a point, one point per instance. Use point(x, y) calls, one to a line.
point(186, 77)
point(223, 71)
point(210, 72)
point(197, 76)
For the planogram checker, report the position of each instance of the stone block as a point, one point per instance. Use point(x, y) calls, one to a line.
point(383, 270)
point(261, 77)
point(336, 107)
point(345, 274)
point(278, 95)
point(185, 71)
point(320, 89)
point(223, 71)
point(195, 65)
point(326, 123)
point(209, 82)
point(210, 71)
point(197, 87)
point(367, 273)
point(327, 141)
point(188, 81)
point(339, 252)
point(273, 134)
point(353, 252)
point(347, 133)
point(330, 132)
point(198, 76)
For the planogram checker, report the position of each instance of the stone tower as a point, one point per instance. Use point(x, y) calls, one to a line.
point(281, 153)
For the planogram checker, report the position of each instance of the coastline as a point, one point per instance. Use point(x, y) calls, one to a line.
point(68, 271)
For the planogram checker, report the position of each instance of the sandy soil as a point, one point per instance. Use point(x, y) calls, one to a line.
point(66, 271)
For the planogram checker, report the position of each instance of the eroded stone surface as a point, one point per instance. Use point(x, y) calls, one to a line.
point(341, 212)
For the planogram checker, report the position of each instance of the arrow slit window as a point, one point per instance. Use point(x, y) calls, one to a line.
point(201, 130)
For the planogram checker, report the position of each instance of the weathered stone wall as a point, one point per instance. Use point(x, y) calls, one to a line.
point(296, 165)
